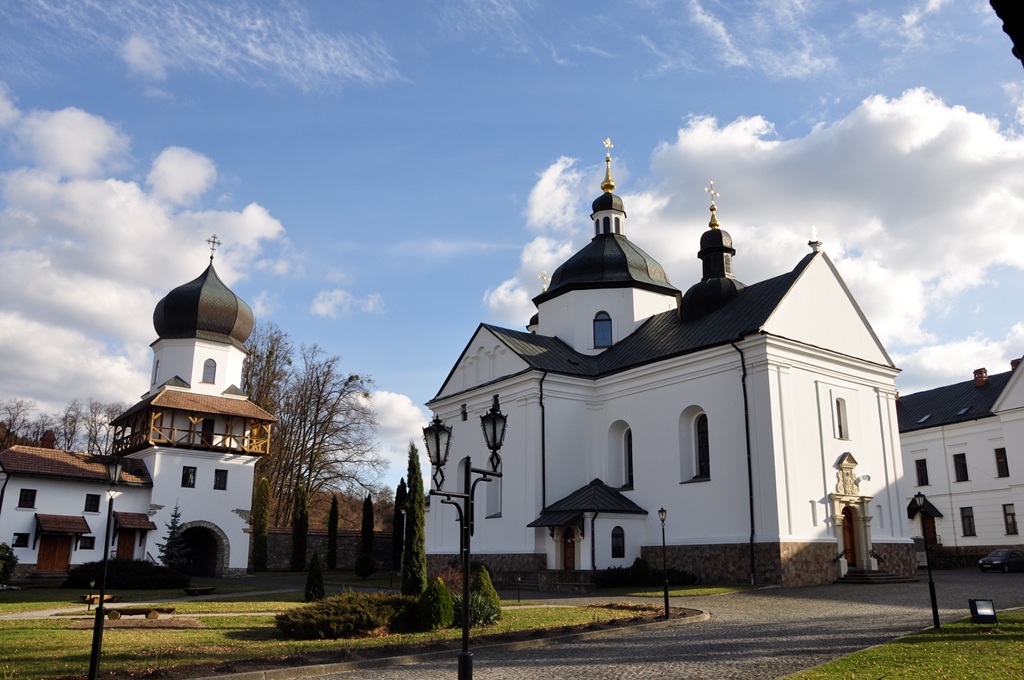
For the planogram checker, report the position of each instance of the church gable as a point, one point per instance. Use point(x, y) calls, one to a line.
point(820, 291)
point(485, 359)
point(1012, 396)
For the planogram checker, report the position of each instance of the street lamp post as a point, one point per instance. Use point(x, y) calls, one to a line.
point(438, 438)
point(113, 466)
point(921, 499)
point(662, 514)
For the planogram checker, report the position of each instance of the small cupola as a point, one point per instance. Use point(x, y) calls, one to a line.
point(204, 308)
point(608, 213)
point(717, 286)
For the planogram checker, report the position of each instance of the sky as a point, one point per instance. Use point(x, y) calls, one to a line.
point(384, 176)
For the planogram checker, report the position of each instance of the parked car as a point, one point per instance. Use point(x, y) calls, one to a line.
point(1002, 560)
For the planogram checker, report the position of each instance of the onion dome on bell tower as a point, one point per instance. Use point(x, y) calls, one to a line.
point(717, 286)
point(204, 308)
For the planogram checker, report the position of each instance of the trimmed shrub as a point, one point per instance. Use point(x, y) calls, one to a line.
point(436, 609)
point(365, 565)
point(314, 580)
point(676, 577)
point(126, 575)
point(612, 577)
point(641, 573)
point(482, 584)
point(481, 609)
point(8, 561)
point(350, 615)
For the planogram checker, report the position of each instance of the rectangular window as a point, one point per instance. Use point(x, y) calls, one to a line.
point(27, 498)
point(1010, 519)
point(1002, 467)
point(92, 502)
point(967, 521)
point(960, 467)
point(220, 480)
point(188, 477)
point(20, 541)
point(87, 543)
point(922, 471)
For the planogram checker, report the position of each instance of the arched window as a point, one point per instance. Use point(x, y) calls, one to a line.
point(617, 227)
point(618, 542)
point(602, 330)
point(210, 371)
point(700, 431)
point(156, 370)
point(607, 223)
point(842, 425)
point(627, 459)
point(597, 226)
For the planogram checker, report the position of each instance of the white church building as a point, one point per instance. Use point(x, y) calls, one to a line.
point(192, 442)
point(761, 417)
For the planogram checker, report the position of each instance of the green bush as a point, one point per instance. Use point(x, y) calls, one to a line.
point(314, 580)
point(482, 584)
point(350, 615)
point(676, 577)
point(436, 609)
point(365, 565)
point(612, 577)
point(8, 561)
point(481, 609)
point(641, 573)
point(126, 575)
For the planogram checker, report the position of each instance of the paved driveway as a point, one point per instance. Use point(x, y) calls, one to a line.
point(759, 634)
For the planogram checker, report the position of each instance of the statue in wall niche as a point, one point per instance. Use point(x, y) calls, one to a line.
point(847, 483)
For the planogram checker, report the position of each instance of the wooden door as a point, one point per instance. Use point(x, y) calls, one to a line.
point(126, 544)
point(850, 537)
point(568, 549)
point(54, 553)
point(929, 531)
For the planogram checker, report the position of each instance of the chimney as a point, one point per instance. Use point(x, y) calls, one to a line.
point(980, 377)
point(49, 440)
point(1013, 364)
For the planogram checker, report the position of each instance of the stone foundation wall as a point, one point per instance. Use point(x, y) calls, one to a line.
point(808, 564)
point(279, 549)
point(785, 564)
point(897, 558)
point(503, 567)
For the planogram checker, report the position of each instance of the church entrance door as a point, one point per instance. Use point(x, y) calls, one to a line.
point(126, 544)
point(568, 548)
point(929, 530)
point(54, 553)
point(850, 536)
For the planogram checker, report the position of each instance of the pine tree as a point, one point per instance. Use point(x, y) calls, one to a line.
point(332, 535)
point(300, 530)
point(366, 542)
point(174, 550)
point(260, 525)
point(314, 580)
point(414, 569)
point(398, 527)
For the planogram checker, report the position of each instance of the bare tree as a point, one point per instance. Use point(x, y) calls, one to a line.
point(15, 418)
point(38, 427)
point(99, 435)
point(69, 425)
point(267, 369)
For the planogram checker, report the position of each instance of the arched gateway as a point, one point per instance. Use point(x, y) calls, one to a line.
point(208, 548)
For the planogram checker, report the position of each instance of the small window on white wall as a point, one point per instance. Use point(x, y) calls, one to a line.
point(703, 446)
point(210, 371)
point(156, 371)
point(602, 330)
point(618, 543)
point(627, 459)
point(842, 422)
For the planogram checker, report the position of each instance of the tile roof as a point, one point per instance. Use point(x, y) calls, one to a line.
point(33, 461)
point(945, 405)
point(200, 403)
point(63, 524)
point(134, 520)
point(594, 497)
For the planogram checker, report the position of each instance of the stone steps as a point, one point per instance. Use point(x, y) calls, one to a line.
point(872, 577)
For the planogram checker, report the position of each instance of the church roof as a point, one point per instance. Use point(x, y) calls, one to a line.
point(204, 308)
point(608, 261)
point(957, 403)
point(594, 497)
point(33, 461)
point(199, 403)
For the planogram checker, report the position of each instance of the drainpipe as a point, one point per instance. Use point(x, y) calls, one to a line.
point(543, 448)
point(593, 541)
point(750, 467)
point(3, 488)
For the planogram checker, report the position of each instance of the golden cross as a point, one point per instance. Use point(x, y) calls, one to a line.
point(545, 278)
point(608, 143)
point(711, 191)
point(214, 243)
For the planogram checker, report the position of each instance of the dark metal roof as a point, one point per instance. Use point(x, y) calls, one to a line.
point(204, 308)
point(607, 201)
point(608, 261)
point(594, 497)
point(945, 405)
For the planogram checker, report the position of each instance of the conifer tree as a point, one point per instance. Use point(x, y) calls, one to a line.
point(314, 580)
point(300, 530)
point(332, 535)
point(174, 550)
point(366, 542)
point(414, 569)
point(398, 527)
point(260, 525)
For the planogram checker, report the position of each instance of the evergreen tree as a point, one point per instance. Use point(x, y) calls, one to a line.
point(332, 535)
point(398, 527)
point(300, 530)
point(314, 580)
point(414, 569)
point(174, 550)
point(366, 543)
point(260, 525)
point(8, 561)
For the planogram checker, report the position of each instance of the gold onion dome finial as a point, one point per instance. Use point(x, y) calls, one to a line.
point(608, 184)
point(714, 216)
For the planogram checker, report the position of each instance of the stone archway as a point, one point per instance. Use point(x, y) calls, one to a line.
point(208, 548)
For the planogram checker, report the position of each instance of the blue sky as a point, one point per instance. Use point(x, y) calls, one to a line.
point(386, 175)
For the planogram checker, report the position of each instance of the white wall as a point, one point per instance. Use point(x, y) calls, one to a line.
point(570, 316)
point(185, 357)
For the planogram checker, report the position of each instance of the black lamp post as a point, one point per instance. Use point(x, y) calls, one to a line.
point(438, 438)
point(662, 514)
point(920, 499)
point(113, 466)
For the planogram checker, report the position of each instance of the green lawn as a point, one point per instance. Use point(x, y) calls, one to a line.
point(36, 599)
point(958, 651)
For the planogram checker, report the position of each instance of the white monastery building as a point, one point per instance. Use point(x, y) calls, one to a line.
point(192, 442)
point(761, 417)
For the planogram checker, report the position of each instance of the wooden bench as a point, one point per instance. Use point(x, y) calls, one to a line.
point(203, 590)
point(148, 612)
point(95, 599)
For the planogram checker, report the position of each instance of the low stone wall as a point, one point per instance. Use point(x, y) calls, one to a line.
point(279, 549)
point(897, 558)
point(503, 566)
point(786, 564)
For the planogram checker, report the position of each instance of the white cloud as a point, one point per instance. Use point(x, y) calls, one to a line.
point(399, 420)
point(331, 303)
point(955, 361)
point(144, 59)
point(554, 199)
point(181, 175)
point(8, 111)
point(715, 28)
point(71, 142)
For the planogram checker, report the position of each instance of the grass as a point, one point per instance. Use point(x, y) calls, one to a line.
point(36, 599)
point(958, 651)
point(42, 648)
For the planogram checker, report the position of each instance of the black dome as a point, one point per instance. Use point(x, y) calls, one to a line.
point(204, 308)
point(707, 296)
point(607, 201)
point(608, 261)
point(716, 238)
